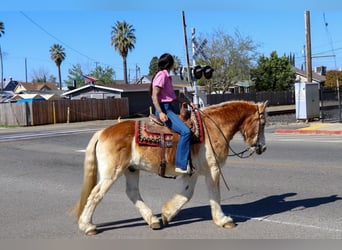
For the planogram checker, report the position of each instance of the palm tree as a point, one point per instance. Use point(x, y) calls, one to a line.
point(57, 55)
point(123, 40)
point(2, 28)
point(2, 31)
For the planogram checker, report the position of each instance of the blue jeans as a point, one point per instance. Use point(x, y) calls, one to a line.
point(176, 124)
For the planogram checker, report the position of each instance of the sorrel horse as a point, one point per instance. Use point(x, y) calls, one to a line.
point(113, 152)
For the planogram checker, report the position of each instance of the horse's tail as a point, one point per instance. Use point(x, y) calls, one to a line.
point(90, 175)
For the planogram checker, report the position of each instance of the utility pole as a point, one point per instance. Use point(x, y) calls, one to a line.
point(196, 100)
point(308, 64)
point(25, 70)
point(186, 48)
point(2, 71)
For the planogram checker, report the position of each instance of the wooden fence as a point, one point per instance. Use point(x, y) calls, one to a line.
point(62, 111)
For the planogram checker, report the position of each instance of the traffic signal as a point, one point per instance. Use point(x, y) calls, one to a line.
point(197, 72)
point(208, 72)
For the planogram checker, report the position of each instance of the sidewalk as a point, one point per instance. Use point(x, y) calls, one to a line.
point(314, 128)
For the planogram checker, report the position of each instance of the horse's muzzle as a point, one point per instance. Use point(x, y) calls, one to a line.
point(260, 148)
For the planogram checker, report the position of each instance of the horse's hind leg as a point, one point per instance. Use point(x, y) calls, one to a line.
point(212, 180)
point(96, 195)
point(172, 207)
point(132, 191)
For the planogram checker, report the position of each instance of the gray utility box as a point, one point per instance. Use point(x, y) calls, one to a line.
point(307, 100)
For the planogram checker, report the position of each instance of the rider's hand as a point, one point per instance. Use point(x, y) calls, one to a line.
point(163, 117)
point(193, 106)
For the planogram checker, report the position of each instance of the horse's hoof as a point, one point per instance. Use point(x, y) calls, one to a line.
point(91, 233)
point(229, 225)
point(155, 225)
point(164, 220)
point(91, 230)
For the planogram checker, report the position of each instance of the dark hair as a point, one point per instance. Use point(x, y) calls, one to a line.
point(165, 61)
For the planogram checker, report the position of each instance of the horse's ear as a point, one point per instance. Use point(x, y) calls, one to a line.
point(264, 105)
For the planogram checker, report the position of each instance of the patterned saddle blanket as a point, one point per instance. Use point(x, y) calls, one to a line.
point(151, 133)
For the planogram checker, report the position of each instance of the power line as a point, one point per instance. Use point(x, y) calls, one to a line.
point(56, 38)
point(329, 39)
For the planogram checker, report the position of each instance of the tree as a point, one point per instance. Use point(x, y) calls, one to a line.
point(42, 75)
point(2, 32)
point(331, 79)
point(123, 40)
point(273, 73)
point(2, 28)
point(105, 75)
point(75, 74)
point(58, 55)
point(153, 66)
point(177, 64)
point(231, 57)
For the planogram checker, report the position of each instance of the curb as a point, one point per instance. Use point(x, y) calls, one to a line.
point(308, 132)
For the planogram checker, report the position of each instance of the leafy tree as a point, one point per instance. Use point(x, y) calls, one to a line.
point(177, 64)
point(42, 75)
point(75, 73)
point(105, 75)
point(331, 79)
point(292, 59)
point(123, 40)
point(2, 28)
point(231, 56)
point(153, 66)
point(273, 73)
point(58, 55)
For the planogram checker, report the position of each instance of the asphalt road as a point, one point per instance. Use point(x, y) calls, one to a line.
point(293, 190)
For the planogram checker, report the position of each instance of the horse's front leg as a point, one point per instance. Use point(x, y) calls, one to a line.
point(212, 179)
point(172, 207)
point(132, 191)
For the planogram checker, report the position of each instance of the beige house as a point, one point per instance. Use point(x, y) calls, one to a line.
point(34, 87)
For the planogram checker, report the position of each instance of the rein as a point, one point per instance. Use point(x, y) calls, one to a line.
point(240, 154)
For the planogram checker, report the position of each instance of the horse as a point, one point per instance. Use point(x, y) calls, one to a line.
point(113, 152)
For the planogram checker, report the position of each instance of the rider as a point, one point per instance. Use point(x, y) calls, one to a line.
point(163, 95)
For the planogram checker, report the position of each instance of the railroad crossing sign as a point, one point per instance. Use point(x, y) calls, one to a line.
point(199, 48)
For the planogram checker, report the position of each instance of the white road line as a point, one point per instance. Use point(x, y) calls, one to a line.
point(265, 219)
point(27, 136)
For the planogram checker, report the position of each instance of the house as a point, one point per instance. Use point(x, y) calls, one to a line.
point(246, 86)
point(7, 92)
point(138, 95)
point(301, 76)
point(35, 91)
point(37, 87)
point(10, 85)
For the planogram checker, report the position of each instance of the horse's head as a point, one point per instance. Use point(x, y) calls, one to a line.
point(253, 129)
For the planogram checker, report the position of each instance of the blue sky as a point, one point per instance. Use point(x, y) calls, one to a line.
point(83, 28)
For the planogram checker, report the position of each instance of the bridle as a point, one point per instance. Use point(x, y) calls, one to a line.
point(234, 153)
point(240, 154)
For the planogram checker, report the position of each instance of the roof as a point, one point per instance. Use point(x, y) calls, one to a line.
point(112, 87)
point(10, 85)
point(176, 80)
point(245, 84)
point(316, 77)
point(37, 86)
